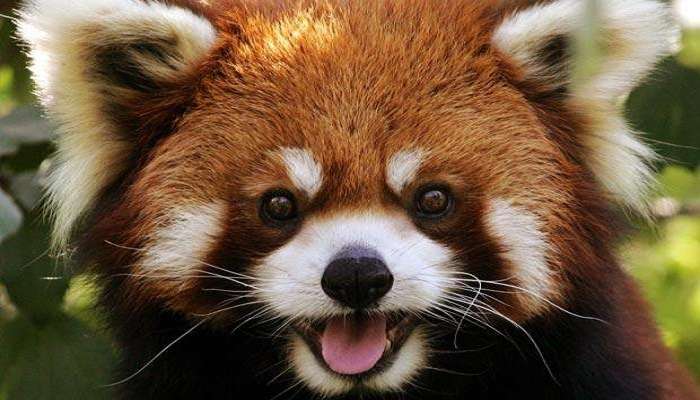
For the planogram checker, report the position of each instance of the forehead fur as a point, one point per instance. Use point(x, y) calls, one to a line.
point(353, 83)
point(340, 82)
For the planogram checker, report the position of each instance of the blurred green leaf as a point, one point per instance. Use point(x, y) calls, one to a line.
point(35, 282)
point(6, 79)
point(10, 216)
point(25, 125)
point(7, 146)
point(690, 53)
point(61, 359)
point(680, 183)
point(27, 189)
point(667, 109)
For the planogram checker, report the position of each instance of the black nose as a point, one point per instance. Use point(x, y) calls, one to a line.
point(357, 277)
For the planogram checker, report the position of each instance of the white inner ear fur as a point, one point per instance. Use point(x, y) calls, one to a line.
point(525, 248)
point(303, 170)
point(176, 251)
point(59, 35)
point(636, 34)
point(401, 169)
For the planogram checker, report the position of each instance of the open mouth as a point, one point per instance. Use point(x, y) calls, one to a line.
point(356, 345)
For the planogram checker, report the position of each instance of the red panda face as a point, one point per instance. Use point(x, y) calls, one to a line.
point(365, 179)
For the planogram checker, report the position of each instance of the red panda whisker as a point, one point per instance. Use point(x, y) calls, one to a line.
point(472, 275)
point(284, 371)
point(518, 290)
point(451, 372)
point(226, 290)
point(455, 287)
point(469, 307)
point(437, 351)
point(144, 250)
point(229, 308)
point(259, 313)
point(481, 323)
point(526, 333)
point(405, 249)
point(539, 297)
point(298, 383)
point(160, 353)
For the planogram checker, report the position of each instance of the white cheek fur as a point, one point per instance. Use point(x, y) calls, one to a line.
point(525, 249)
point(176, 251)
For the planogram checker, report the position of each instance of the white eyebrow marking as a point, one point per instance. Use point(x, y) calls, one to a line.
point(306, 174)
point(402, 169)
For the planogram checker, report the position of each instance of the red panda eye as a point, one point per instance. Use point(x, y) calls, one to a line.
point(279, 206)
point(433, 202)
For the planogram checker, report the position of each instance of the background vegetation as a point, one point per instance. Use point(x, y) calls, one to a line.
point(51, 342)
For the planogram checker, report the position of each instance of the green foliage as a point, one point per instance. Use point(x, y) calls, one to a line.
point(666, 108)
point(49, 348)
point(52, 345)
point(666, 260)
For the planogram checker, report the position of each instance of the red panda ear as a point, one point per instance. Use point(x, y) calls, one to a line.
point(633, 35)
point(96, 64)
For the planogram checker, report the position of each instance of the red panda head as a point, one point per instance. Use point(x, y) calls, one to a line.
point(368, 176)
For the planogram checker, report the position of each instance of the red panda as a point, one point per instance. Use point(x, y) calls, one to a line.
point(355, 199)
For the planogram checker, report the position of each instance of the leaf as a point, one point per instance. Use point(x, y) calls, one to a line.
point(35, 282)
point(10, 216)
point(25, 125)
point(666, 108)
point(7, 146)
point(680, 183)
point(58, 360)
point(27, 188)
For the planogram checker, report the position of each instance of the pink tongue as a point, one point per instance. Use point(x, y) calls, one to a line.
point(353, 345)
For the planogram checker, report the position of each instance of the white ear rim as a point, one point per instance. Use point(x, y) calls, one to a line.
point(89, 155)
point(646, 30)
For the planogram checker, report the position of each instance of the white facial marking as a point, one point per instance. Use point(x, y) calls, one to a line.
point(402, 169)
point(306, 174)
point(409, 361)
point(314, 375)
point(290, 277)
point(176, 251)
point(525, 248)
point(289, 282)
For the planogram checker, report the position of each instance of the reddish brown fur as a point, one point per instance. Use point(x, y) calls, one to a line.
point(354, 84)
